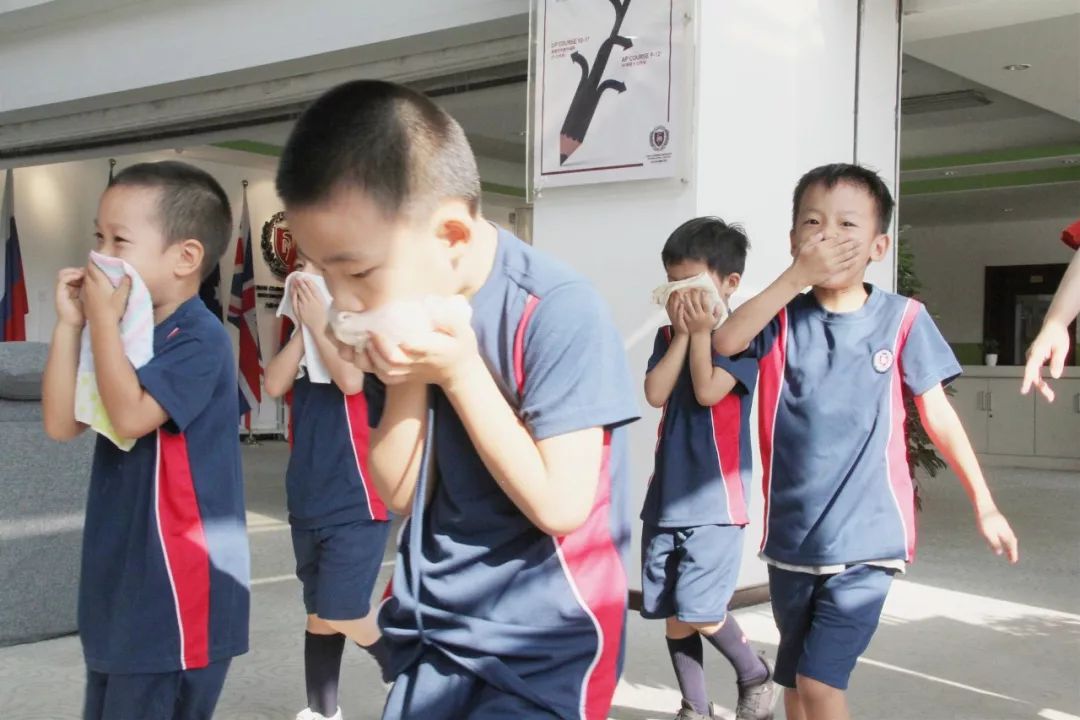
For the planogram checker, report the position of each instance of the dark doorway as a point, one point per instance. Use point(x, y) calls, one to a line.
point(1017, 298)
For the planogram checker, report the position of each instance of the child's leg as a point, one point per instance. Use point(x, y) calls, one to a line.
point(821, 702)
point(323, 647)
point(684, 646)
point(793, 709)
point(729, 639)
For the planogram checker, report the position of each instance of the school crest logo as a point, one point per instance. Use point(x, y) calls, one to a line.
point(659, 138)
point(883, 360)
point(278, 247)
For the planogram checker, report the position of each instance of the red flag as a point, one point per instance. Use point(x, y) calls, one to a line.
point(13, 303)
point(242, 314)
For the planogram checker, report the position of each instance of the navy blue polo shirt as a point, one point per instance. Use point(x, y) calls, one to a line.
point(703, 456)
point(538, 616)
point(327, 481)
point(165, 562)
point(838, 488)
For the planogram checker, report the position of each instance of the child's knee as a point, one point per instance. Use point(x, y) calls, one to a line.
point(317, 626)
point(708, 628)
point(677, 629)
point(815, 693)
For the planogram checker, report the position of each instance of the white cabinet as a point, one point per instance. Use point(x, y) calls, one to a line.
point(1057, 424)
point(998, 419)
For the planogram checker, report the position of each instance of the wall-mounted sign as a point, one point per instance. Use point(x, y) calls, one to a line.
point(608, 90)
point(278, 247)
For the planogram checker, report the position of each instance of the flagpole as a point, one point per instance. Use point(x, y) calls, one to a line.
point(250, 439)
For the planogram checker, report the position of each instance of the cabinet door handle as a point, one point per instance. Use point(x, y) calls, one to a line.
point(989, 401)
point(1076, 403)
point(980, 402)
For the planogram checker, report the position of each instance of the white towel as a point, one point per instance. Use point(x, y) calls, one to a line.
point(661, 294)
point(311, 361)
point(401, 321)
point(137, 335)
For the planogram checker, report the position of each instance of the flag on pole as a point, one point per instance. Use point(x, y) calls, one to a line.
point(210, 292)
point(242, 314)
point(13, 303)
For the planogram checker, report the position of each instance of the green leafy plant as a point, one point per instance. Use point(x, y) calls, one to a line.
point(921, 455)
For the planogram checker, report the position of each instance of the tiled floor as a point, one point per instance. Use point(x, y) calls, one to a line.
point(964, 636)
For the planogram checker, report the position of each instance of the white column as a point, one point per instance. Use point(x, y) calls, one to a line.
point(775, 95)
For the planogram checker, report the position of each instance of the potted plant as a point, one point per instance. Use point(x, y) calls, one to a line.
point(990, 349)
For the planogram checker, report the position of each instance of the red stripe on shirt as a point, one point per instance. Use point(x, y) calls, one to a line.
point(770, 384)
point(727, 431)
point(592, 566)
point(356, 414)
point(519, 342)
point(899, 472)
point(183, 543)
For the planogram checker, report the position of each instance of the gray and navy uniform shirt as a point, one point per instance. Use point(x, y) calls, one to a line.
point(327, 481)
point(537, 616)
point(703, 461)
point(165, 562)
point(837, 485)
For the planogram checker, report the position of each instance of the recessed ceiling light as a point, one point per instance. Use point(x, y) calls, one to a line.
point(1018, 67)
point(1006, 210)
point(1069, 161)
point(949, 173)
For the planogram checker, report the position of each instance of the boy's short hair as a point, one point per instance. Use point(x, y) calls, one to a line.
point(832, 175)
point(391, 142)
point(722, 247)
point(191, 205)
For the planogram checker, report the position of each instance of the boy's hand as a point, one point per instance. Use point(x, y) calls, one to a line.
point(1050, 346)
point(309, 305)
point(104, 303)
point(999, 536)
point(675, 313)
point(69, 306)
point(440, 358)
point(820, 258)
point(700, 318)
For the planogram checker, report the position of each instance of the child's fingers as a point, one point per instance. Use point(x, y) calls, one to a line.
point(1012, 547)
point(1057, 359)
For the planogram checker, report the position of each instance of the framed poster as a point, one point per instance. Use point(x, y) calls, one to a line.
point(607, 91)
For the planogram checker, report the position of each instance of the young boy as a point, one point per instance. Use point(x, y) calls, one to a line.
point(509, 594)
point(339, 523)
point(163, 597)
point(834, 366)
point(695, 508)
point(1052, 344)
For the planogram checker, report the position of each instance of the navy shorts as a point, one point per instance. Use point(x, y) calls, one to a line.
point(437, 688)
point(181, 695)
point(689, 573)
point(825, 621)
point(338, 566)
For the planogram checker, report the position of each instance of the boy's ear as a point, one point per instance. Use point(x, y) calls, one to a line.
point(191, 253)
point(791, 241)
point(731, 282)
point(879, 248)
point(454, 226)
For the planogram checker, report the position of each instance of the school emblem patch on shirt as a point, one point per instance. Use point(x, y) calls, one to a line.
point(883, 360)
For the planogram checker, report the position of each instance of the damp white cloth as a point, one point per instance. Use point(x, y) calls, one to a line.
point(312, 362)
point(137, 336)
point(402, 321)
point(662, 293)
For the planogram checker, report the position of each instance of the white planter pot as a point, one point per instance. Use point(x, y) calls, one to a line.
point(991, 359)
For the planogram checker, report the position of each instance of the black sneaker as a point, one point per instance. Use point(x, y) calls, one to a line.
point(758, 701)
point(689, 713)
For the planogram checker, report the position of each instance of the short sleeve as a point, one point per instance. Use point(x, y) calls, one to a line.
point(575, 370)
point(763, 342)
point(183, 375)
point(660, 346)
point(926, 360)
point(375, 395)
point(743, 369)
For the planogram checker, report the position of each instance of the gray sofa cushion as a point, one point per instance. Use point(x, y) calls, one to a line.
point(21, 367)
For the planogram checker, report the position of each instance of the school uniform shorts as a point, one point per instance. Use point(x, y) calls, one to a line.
point(338, 567)
point(689, 573)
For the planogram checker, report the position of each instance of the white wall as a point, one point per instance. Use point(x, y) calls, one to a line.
point(951, 262)
point(774, 97)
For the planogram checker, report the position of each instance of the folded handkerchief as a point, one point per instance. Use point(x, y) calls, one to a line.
point(699, 282)
point(312, 361)
point(137, 335)
point(403, 321)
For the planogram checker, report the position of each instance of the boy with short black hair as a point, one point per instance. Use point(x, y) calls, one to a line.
point(163, 597)
point(835, 365)
point(339, 523)
point(696, 505)
point(509, 595)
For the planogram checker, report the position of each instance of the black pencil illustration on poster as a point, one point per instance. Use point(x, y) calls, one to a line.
point(607, 102)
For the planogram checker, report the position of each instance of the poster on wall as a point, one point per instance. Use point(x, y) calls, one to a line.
point(607, 91)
